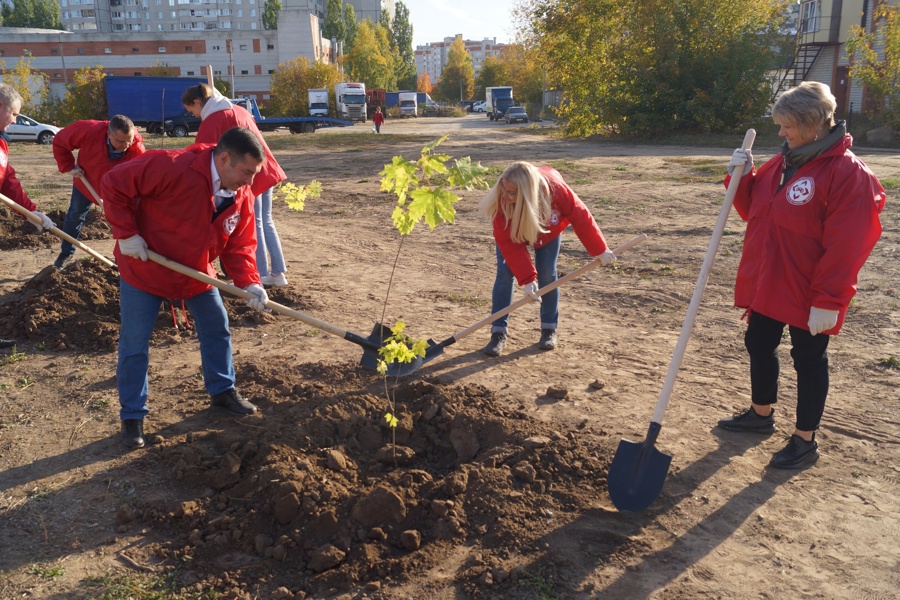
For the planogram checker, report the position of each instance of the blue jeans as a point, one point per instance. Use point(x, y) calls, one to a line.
point(545, 259)
point(79, 207)
point(266, 236)
point(138, 313)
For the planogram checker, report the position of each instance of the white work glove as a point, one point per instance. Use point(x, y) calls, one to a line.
point(260, 296)
point(531, 289)
point(135, 247)
point(45, 223)
point(607, 258)
point(821, 320)
point(76, 172)
point(738, 158)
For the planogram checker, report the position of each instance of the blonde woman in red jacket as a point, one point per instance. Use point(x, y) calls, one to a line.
point(812, 221)
point(530, 206)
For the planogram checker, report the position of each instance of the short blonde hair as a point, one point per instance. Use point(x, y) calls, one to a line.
point(809, 106)
point(526, 218)
point(9, 96)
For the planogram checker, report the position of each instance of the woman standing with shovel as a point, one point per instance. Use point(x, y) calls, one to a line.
point(812, 221)
point(531, 206)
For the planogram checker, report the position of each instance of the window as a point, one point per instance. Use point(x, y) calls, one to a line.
point(57, 75)
point(190, 72)
point(271, 71)
point(809, 16)
point(253, 12)
point(135, 50)
point(270, 46)
point(54, 50)
point(162, 49)
point(240, 13)
point(253, 25)
point(107, 50)
point(188, 48)
point(245, 72)
point(81, 51)
point(243, 46)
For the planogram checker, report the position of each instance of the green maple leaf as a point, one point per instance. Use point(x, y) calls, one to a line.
point(403, 221)
point(436, 206)
point(398, 177)
point(468, 175)
point(433, 163)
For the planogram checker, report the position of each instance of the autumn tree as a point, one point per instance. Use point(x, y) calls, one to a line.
point(402, 35)
point(493, 73)
point(270, 14)
point(524, 71)
point(424, 83)
point(86, 98)
point(458, 77)
point(649, 67)
point(371, 60)
point(334, 28)
point(351, 27)
point(880, 72)
point(292, 80)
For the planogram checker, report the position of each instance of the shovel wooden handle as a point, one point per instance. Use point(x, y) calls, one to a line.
point(55, 231)
point(91, 189)
point(547, 288)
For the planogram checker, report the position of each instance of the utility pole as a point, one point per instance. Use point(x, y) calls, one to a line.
point(229, 46)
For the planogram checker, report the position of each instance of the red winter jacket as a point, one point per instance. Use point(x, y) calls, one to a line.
point(9, 183)
point(89, 138)
point(166, 196)
point(567, 208)
point(226, 116)
point(378, 118)
point(806, 243)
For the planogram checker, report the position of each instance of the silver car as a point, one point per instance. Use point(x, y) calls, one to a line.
point(29, 130)
point(516, 113)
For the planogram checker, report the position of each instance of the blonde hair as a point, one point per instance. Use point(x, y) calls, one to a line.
point(527, 217)
point(809, 106)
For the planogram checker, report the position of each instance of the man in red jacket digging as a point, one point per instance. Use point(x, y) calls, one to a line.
point(101, 146)
point(191, 206)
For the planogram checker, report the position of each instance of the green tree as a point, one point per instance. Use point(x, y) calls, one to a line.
point(86, 99)
point(458, 78)
point(524, 71)
point(384, 19)
point(402, 36)
point(655, 66)
point(334, 21)
point(350, 27)
point(42, 14)
point(270, 14)
point(880, 72)
point(292, 80)
point(493, 73)
point(370, 60)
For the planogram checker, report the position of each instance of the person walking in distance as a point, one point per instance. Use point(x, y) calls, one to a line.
point(812, 215)
point(531, 206)
point(101, 145)
point(192, 206)
point(217, 115)
point(378, 119)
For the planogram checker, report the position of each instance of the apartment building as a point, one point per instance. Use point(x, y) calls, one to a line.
point(371, 9)
point(431, 58)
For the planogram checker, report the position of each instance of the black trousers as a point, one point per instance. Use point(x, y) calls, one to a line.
point(810, 362)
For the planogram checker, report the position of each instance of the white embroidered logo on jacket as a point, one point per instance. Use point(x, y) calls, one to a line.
point(801, 191)
point(3, 159)
point(231, 223)
point(554, 217)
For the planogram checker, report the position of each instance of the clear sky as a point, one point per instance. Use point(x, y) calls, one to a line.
point(433, 20)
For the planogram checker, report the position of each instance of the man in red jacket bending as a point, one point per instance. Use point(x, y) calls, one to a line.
point(191, 206)
point(101, 146)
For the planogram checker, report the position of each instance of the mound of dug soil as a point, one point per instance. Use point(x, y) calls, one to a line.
point(16, 232)
point(314, 494)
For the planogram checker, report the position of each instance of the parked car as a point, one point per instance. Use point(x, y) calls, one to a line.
point(516, 113)
point(182, 125)
point(478, 107)
point(29, 130)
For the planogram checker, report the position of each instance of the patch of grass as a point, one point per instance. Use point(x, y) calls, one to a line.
point(619, 168)
point(25, 382)
point(127, 586)
point(466, 299)
point(366, 180)
point(889, 362)
point(542, 587)
point(47, 570)
point(583, 181)
point(891, 183)
point(565, 165)
point(311, 332)
point(12, 357)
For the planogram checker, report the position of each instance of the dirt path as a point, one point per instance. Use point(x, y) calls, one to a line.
point(504, 485)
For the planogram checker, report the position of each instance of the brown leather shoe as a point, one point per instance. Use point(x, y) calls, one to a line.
point(231, 400)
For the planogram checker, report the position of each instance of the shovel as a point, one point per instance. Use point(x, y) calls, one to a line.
point(638, 469)
point(56, 231)
point(436, 349)
point(369, 345)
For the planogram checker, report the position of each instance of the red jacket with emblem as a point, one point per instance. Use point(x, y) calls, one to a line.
point(9, 183)
point(566, 208)
point(227, 115)
point(89, 138)
point(806, 243)
point(166, 196)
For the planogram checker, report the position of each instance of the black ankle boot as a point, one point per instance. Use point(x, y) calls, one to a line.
point(133, 433)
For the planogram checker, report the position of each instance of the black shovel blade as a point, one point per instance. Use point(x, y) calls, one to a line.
point(371, 357)
point(637, 473)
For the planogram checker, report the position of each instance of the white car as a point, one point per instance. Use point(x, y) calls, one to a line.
point(478, 107)
point(29, 130)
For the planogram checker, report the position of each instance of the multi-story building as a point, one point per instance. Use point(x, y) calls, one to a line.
point(371, 9)
point(431, 58)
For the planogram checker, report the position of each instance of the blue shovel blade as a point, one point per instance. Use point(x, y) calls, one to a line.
point(636, 475)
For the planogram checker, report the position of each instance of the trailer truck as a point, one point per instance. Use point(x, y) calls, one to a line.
point(147, 101)
point(318, 102)
point(350, 99)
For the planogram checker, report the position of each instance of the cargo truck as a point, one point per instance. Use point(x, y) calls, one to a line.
point(147, 101)
point(318, 102)
point(350, 100)
point(501, 100)
point(409, 104)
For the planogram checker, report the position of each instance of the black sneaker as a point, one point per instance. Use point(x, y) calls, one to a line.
point(797, 454)
point(231, 400)
point(750, 420)
point(548, 339)
point(62, 260)
point(496, 345)
point(133, 433)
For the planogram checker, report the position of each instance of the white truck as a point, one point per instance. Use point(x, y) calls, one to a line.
point(409, 106)
point(350, 99)
point(318, 102)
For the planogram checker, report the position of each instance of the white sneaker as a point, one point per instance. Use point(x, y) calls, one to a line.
point(277, 279)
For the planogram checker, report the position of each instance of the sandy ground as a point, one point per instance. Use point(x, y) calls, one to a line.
point(724, 526)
